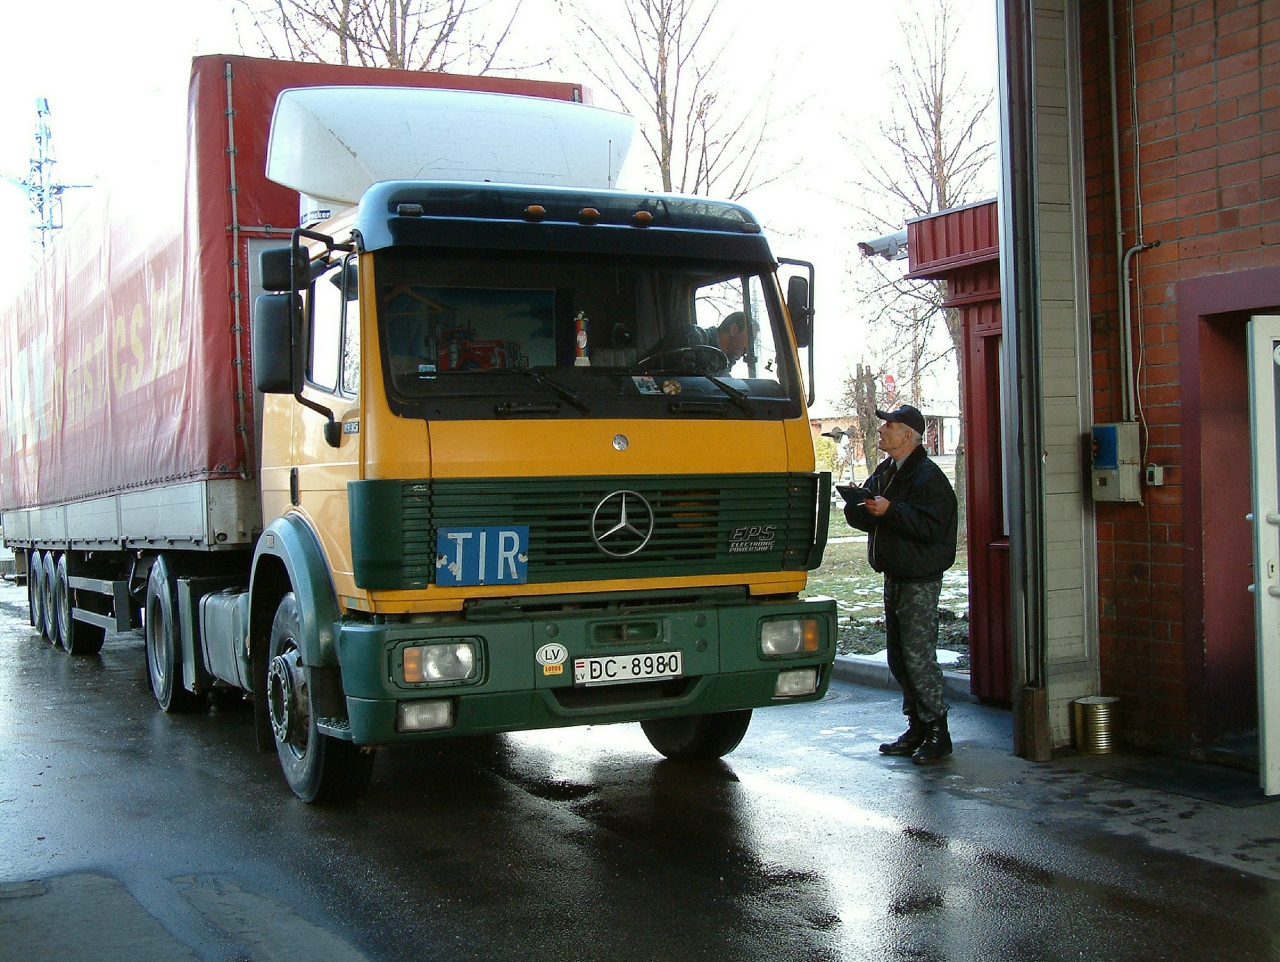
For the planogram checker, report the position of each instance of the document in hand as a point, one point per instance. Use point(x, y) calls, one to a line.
point(853, 492)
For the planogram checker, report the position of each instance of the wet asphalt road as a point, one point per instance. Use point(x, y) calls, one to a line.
point(127, 833)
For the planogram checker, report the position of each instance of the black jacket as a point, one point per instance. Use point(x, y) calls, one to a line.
point(916, 538)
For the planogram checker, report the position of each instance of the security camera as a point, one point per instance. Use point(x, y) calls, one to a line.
point(892, 247)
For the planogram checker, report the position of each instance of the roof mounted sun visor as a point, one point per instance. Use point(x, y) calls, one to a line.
point(331, 143)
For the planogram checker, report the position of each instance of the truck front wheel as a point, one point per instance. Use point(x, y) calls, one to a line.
point(164, 653)
point(318, 767)
point(695, 737)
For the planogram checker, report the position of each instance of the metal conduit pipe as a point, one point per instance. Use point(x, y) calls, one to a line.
point(1128, 394)
point(1122, 258)
point(1126, 309)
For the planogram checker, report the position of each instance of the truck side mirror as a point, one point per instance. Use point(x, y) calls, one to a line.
point(276, 269)
point(799, 309)
point(273, 343)
point(350, 283)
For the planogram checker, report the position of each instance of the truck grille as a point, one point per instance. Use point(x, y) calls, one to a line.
point(701, 524)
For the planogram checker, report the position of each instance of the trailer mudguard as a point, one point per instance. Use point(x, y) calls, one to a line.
point(289, 542)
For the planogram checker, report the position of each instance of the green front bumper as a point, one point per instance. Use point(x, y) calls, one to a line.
point(719, 641)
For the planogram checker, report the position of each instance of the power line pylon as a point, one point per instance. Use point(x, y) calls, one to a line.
point(44, 191)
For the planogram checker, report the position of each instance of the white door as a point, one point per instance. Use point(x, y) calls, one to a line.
point(1264, 397)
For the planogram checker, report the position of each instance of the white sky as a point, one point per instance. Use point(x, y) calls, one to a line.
point(116, 74)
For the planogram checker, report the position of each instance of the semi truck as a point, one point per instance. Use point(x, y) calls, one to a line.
point(388, 437)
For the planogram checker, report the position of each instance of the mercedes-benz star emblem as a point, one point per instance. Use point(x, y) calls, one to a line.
point(622, 523)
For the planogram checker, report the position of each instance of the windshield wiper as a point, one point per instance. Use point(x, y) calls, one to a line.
point(736, 396)
point(566, 394)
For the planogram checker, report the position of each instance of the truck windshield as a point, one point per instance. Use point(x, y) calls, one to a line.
point(603, 336)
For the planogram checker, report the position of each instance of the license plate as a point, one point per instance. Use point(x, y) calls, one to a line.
point(619, 669)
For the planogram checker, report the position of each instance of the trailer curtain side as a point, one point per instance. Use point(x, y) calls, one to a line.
point(126, 360)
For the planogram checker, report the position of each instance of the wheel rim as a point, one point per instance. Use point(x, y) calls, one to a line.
point(35, 574)
point(48, 602)
point(287, 700)
point(62, 595)
point(157, 647)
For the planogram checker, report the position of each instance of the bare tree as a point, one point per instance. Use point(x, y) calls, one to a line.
point(934, 151)
point(938, 144)
point(404, 34)
point(859, 400)
point(661, 60)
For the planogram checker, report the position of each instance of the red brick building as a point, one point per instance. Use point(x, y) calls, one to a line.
point(1151, 151)
point(1200, 177)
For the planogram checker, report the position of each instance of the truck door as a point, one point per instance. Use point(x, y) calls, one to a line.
point(333, 381)
point(1264, 395)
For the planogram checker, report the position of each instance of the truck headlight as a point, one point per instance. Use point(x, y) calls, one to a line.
point(424, 716)
point(789, 636)
point(455, 661)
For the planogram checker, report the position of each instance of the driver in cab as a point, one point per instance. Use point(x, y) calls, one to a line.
point(730, 337)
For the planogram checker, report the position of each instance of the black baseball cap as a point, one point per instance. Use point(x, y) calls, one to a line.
point(906, 414)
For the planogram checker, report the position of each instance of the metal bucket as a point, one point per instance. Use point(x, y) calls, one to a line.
point(1094, 716)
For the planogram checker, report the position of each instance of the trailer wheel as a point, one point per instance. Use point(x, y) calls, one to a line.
point(318, 767)
point(78, 637)
point(35, 590)
point(48, 606)
point(695, 737)
point(164, 658)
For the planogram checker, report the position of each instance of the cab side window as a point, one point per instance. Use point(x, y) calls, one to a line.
point(334, 361)
point(350, 376)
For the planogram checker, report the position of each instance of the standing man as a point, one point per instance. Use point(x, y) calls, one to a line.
point(911, 519)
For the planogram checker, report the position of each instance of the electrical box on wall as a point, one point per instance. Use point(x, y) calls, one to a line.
point(1117, 462)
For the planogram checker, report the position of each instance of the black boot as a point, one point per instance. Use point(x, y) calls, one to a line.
point(936, 744)
point(908, 741)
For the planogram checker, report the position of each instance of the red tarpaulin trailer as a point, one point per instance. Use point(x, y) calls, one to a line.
point(127, 357)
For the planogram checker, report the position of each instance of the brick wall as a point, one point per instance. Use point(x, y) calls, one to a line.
point(1208, 106)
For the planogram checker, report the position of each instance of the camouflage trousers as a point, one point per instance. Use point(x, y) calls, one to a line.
point(911, 627)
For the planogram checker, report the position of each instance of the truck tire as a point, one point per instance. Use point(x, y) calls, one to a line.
point(47, 606)
point(318, 767)
point(696, 737)
point(164, 649)
point(78, 637)
point(35, 590)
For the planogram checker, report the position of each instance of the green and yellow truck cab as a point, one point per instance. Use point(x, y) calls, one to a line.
point(539, 497)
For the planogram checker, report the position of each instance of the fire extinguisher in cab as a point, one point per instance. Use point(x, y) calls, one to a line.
point(580, 357)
